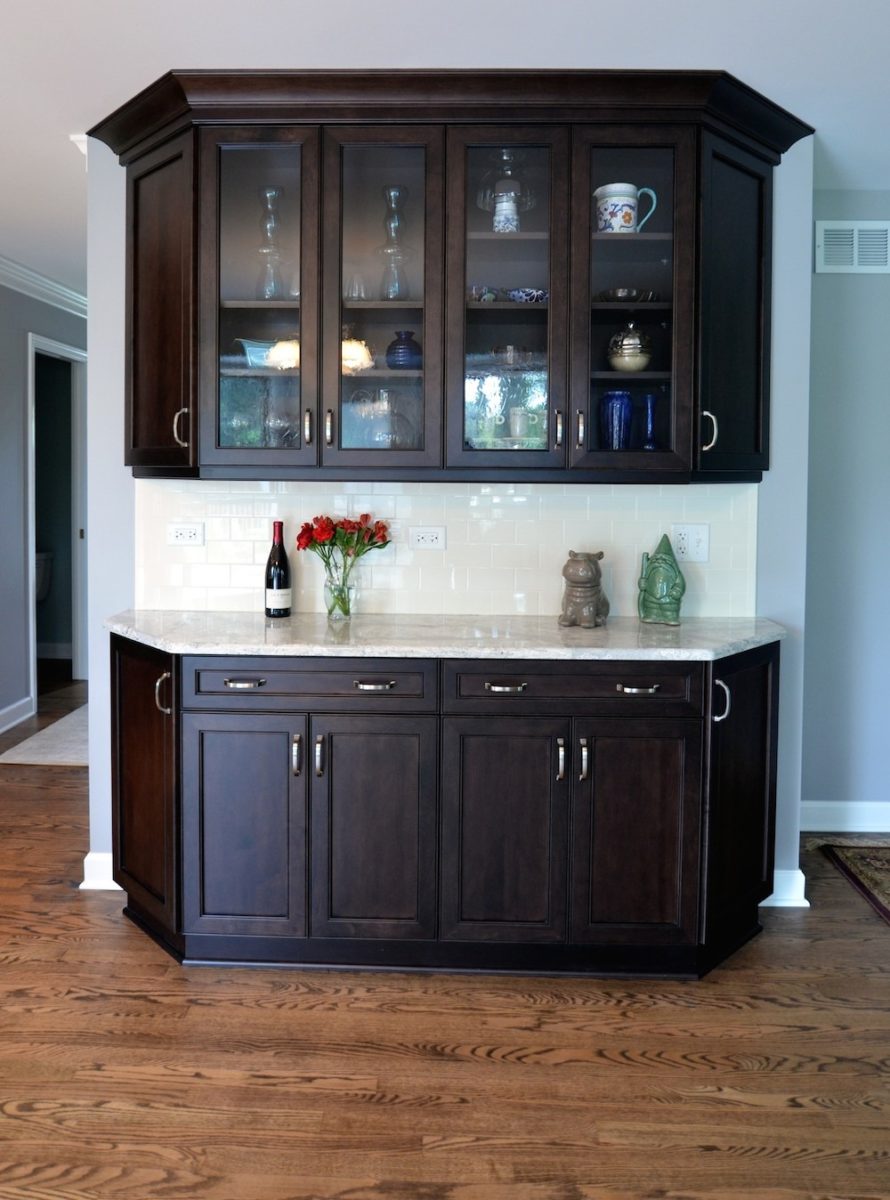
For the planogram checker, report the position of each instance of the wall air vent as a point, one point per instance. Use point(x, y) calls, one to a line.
point(853, 247)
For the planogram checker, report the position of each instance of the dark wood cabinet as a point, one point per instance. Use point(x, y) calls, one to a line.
point(457, 207)
point(144, 770)
point(244, 824)
point(374, 826)
point(505, 810)
point(602, 816)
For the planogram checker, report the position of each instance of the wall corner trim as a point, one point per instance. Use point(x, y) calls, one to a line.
point(788, 891)
point(39, 287)
point(97, 873)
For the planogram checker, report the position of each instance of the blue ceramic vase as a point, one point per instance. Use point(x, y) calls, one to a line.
point(616, 409)
point(404, 354)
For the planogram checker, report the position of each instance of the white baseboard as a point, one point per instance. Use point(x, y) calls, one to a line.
point(829, 816)
point(788, 891)
point(97, 873)
point(13, 713)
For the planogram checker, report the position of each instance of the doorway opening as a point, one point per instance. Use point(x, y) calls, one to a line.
point(57, 514)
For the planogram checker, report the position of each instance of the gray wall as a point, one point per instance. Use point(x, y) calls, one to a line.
point(847, 660)
point(19, 316)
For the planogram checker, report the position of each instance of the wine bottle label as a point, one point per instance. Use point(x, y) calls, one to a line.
point(278, 597)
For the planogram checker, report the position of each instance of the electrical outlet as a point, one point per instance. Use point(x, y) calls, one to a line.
point(185, 533)
point(691, 543)
point(427, 537)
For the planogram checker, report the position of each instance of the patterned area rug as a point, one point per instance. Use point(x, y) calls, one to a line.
point(64, 743)
point(868, 869)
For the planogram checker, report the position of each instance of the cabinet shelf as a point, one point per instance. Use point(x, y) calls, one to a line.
point(260, 372)
point(261, 304)
point(384, 305)
point(631, 306)
point(505, 306)
point(629, 377)
point(490, 236)
point(383, 373)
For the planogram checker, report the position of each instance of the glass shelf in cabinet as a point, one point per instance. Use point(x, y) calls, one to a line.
point(630, 376)
point(383, 305)
point(262, 304)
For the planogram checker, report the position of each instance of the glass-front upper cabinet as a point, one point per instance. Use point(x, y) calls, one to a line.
point(632, 282)
point(507, 249)
point(259, 341)
point(383, 297)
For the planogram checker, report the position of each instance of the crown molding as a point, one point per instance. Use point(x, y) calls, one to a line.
point(38, 287)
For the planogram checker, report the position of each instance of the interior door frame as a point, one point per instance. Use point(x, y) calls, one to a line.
point(37, 344)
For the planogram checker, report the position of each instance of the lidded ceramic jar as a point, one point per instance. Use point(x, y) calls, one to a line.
point(630, 349)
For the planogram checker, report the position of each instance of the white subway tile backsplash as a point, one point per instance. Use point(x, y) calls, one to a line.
point(506, 543)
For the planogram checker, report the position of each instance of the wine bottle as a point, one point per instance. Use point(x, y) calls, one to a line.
point(278, 589)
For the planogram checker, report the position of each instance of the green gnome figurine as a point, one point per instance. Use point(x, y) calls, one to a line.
point(661, 586)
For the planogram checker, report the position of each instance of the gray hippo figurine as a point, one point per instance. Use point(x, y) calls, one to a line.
point(584, 602)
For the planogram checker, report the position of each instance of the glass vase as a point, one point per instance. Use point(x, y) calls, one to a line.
point(339, 594)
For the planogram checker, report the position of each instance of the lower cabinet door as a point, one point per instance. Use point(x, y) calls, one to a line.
point(143, 741)
point(373, 819)
point(244, 823)
point(505, 793)
point(636, 831)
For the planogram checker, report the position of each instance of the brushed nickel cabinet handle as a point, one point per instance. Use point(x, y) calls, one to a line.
point(579, 437)
point(158, 684)
point(307, 427)
point(584, 759)
point(512, 689)
point(176, 438)
point(361, 686)
point(713, 442)
point(244, 685)
point(329, 427)
point(720, 684)
point(296, 753)
point(560, 759)
point(637, 691)
point(558, 438)
point(319, 755)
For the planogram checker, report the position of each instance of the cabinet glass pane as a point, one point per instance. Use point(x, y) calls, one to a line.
point(632, 298)
point(259, 297)
point(382, 286)
point(506, 376)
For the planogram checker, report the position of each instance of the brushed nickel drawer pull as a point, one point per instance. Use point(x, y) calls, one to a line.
point(579, 439)
point(720, 684)
point(158, 683)
point(329, 427)
point(176, 438)
point(560, 759)
point(296, 753)
point(319, 755)
point(307, 427)
point(584, 759)
point(244, 685)
point(510, 689)
point(713, 442)
point(558, 438)
point(635, 691)
point(362, 686)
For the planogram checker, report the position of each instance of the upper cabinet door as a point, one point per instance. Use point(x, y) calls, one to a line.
point(507, 297)
point(633, 251)
point(734, 315)
point(382, 215)
point(259, 288)
point(160, 314)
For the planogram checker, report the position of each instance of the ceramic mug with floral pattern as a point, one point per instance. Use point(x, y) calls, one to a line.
point(617, 206)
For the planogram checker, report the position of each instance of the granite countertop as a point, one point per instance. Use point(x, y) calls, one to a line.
point(698, 639)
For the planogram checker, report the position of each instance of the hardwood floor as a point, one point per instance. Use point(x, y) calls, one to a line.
point(123, 1075)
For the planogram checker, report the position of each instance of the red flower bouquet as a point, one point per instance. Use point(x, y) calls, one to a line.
point(339, 545)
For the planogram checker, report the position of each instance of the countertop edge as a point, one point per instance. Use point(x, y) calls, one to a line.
point(700, 639)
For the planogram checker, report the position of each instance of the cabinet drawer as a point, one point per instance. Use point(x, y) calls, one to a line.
point(322, 684)
point(586, 688)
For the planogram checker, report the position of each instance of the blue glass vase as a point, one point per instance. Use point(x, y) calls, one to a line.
point(616, 409)
point(404, 354)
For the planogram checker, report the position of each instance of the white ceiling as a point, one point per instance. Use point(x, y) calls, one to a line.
point(66, 64)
